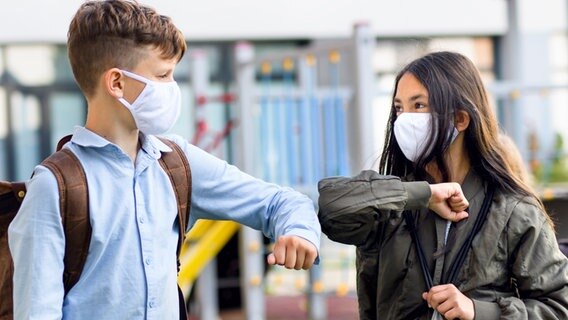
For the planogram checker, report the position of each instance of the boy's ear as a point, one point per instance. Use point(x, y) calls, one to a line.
point(461, 121)
point(113, 82)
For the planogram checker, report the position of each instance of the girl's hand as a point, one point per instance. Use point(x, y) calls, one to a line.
point(450, 302)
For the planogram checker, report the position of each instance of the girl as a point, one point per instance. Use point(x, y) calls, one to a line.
point(502, 262)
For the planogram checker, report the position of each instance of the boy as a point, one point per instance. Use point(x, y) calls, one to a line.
point(123, 57)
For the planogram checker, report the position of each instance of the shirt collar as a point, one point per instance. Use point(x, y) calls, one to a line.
point(87, 138)
point(150, 144)
point(473, 185)
point(153, 146)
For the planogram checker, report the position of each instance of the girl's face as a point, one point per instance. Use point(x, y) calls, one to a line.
point(411, 95)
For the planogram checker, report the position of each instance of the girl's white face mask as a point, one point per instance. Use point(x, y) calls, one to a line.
point(157, 107)
point(411, 130)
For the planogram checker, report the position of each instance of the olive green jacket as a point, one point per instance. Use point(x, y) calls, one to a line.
point(514, 269)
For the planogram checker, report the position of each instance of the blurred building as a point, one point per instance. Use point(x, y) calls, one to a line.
point(519, 42)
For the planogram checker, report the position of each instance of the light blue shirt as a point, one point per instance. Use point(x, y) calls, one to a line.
point(131, 270)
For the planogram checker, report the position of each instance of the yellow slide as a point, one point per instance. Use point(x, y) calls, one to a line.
point(203, 243)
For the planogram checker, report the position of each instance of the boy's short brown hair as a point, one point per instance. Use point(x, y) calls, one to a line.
point(113, 33)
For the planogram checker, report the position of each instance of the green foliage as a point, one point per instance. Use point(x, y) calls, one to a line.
point(558, 169)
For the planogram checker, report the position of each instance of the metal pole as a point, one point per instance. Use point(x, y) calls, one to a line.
point(199, 83)
point(509, 60)
point(317, 308)
point(526, 53)
point(207, 292)
point(45, 146)
point(11, 162)
point(307, 81)
point(251, 245)
point(359, 115)
point(207, 285)
point(226, 77)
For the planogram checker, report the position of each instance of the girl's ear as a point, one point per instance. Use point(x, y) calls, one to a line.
point(113, 82)
point(461, 121)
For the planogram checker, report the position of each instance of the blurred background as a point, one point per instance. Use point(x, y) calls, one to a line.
point(292, 92)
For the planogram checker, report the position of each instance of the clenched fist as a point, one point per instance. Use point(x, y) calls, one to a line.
point(448, 201)
point(293, 252)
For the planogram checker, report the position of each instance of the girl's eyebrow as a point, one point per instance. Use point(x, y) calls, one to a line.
point(413, 98)
point(418, 96)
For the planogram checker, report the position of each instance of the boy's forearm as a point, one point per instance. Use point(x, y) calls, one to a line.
point(293, 214)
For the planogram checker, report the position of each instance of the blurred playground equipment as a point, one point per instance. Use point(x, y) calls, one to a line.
point(291, 130)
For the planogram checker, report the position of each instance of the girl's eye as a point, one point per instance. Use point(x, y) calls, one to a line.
point(397, 109)
point(420, 106)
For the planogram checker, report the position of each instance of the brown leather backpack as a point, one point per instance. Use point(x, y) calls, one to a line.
point(74, 205)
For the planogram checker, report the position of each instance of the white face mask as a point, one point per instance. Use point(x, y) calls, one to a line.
point(411, 130)
point(157, 107)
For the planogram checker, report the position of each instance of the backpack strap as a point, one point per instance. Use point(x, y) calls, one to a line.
point(408, 217)
point(176, 165)
point(451, 275)
point(74, 207)
point(63, 141)
point(11, 197)
point(455, 268)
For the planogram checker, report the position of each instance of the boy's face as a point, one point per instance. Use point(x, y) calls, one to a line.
point(152, 67)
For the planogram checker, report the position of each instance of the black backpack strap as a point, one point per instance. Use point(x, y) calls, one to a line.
point(74, 207)
point(454, 270)
point(464, 249)
point(176, 165)
point(419, 250)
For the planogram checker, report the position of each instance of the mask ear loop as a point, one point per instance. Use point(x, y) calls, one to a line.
point(136, 77)
point(451, 136)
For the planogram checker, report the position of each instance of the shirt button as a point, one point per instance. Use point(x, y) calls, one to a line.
point(148, 261)
point(142, 220)
point(152, 304)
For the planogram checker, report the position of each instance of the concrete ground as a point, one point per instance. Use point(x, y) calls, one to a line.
point(295, 308)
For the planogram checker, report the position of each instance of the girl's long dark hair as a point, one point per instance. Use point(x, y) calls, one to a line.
point(453, 83)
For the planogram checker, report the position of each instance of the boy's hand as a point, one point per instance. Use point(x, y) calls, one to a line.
point(450, 302)
point(293, 252)
point(448, 201)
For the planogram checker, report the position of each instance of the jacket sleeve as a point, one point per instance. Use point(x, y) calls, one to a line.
point(539, 268)
point(350, 208)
